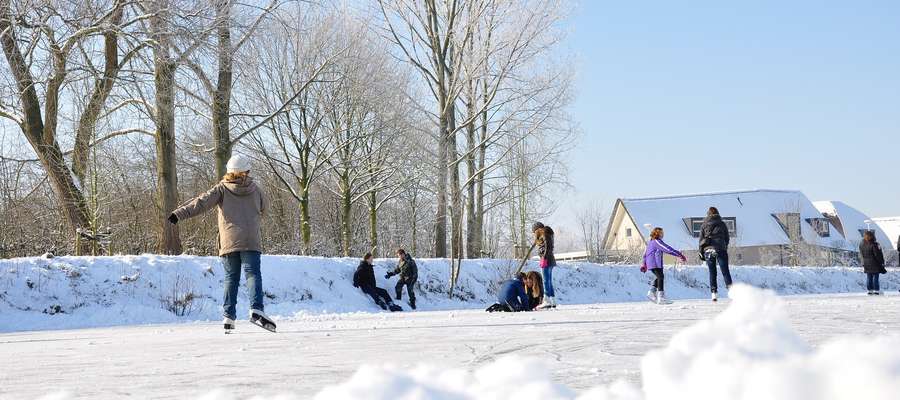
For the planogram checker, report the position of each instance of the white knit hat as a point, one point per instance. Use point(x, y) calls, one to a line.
point(238, 163)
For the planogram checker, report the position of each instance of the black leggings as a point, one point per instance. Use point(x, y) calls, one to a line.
point(659, 282)
point(378, 294)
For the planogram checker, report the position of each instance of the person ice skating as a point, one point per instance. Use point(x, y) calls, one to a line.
point(543, 237)
point(364, 279)
point(873, 262)
point(511, 297)
point(653, 260)
point(714, 238)
point(409, 274)
point(240, 204)
point(534, 287)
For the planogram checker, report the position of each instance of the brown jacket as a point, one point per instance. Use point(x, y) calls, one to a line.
point(240, 206)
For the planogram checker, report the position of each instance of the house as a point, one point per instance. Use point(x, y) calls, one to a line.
point(768, 227)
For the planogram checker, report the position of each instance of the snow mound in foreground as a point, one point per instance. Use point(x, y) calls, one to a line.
point(750, 351)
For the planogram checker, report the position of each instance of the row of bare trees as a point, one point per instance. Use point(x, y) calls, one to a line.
point(435, 125)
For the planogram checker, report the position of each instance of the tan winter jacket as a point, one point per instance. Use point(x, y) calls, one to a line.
point(240, 206)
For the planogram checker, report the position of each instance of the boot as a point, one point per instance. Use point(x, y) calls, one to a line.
point(547, 303)
point(229, 324)
point(661, 298)
point(715, 296)
point(412, 303)
point(651, 295)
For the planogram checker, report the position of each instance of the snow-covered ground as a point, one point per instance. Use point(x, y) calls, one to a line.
point(80, 292)
point(758, 348)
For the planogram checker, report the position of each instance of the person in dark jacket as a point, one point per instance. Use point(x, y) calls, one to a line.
point(714, 239)
point(409, 274)
point(543, 238)
point(511, 297)
point(873, 262)
point(364, 279)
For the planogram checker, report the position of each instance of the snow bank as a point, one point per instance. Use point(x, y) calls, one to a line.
point(76, 292)
point(748, 352)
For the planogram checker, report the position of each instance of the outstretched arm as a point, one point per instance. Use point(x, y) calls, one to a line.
point(669, 250)
point(199, 204)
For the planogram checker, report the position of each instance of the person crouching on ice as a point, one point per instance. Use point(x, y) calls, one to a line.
point(239, 204)
point(409, 274)
point(364, 279)
point(653, 260)
point(512, 297)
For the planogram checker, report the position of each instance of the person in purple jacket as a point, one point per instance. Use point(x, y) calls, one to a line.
point(653, 260)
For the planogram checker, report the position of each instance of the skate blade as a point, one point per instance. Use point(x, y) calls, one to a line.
point(268, 327)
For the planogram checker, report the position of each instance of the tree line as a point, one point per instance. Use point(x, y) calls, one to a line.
point(440, 126)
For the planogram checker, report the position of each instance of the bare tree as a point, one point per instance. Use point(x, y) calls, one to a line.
point(54, 49)
point(593, 219)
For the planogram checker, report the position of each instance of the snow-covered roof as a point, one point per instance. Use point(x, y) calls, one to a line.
point(852, 220)
point(891, 227)
point(752, 209)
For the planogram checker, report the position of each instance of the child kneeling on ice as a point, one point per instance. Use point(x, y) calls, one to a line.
point(653, 260)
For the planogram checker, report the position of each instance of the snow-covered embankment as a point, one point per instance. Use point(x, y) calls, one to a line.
point(72, 292)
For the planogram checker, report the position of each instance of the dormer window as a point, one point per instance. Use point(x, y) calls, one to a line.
point(695, 224)
point(821, 226)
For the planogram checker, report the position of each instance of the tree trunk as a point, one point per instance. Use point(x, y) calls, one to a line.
point(440, 221)
point(346, 209)
point(84, 132)
point(221, 101)
point(473, 239)
point(373, 222)
point(478, 228)
point(166, 169)
point(304, 221)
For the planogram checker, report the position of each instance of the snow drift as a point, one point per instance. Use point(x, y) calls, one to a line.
point(749, 351)
point(75, 292)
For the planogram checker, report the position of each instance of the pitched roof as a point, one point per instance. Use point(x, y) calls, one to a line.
point(752, 209)
point(891, 227)
point(853, 221)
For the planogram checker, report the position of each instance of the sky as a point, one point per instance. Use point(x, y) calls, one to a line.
point(698, 96)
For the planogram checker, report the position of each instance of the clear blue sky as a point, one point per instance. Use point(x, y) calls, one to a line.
point(683, 97)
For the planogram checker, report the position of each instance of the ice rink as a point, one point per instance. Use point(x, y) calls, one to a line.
point(584, 346)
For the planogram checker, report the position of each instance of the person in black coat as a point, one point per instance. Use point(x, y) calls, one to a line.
point(409, 275)
point(873, 262)
point(364, 279)
point(714, 239)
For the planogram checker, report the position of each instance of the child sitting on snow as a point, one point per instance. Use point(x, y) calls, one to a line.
point(653, 260)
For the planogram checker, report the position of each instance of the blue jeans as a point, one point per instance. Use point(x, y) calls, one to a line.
point(547, 274)
point(722, 259)
point(872, 282)
point(233, 263)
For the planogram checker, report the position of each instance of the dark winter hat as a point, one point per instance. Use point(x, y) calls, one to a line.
point(537, 225)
